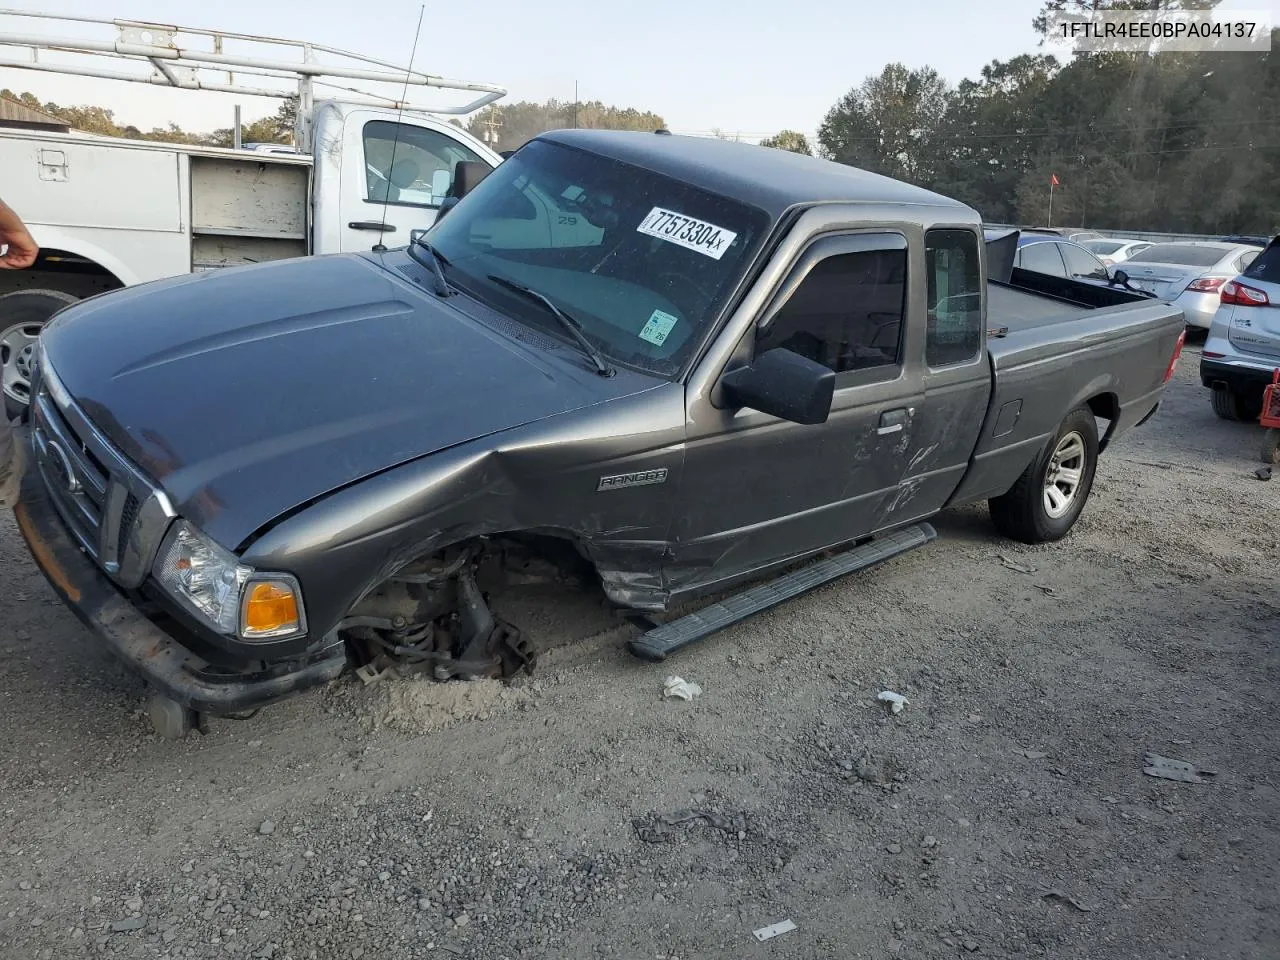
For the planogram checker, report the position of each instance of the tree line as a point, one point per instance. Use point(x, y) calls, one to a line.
point(276, 128)
point(1176, 142)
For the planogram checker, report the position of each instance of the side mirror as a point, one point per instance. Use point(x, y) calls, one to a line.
point(1121, 278)
point(440, 181)
point(782, 384)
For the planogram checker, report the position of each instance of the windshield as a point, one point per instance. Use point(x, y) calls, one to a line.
point(1180, 253)
point(643, 262)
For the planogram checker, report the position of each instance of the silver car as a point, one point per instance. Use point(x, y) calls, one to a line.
point(1113, 250)
point(1242, 349)
point(1189, 275)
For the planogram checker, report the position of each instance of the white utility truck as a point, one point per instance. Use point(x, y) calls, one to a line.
point(110, 212)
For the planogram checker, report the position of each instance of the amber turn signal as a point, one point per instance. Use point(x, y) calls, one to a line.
point(270, 610)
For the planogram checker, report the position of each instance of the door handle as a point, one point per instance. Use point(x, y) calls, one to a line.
point(372, 225)
point(892, 421)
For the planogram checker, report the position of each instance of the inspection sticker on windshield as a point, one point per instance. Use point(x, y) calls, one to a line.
point(660, 324)
point(706, 238)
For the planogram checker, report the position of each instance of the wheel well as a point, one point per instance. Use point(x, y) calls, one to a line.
point(63, 271)
point(1105, 406)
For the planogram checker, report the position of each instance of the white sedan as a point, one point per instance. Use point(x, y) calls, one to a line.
point(1189, 275)
point(1113, 250)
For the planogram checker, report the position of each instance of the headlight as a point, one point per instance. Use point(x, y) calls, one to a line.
point(230, 597)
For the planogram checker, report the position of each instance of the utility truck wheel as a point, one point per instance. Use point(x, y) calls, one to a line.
point(1045, 502)
point(22, 314)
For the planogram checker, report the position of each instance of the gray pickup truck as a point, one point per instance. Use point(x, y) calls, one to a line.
point(674, 364)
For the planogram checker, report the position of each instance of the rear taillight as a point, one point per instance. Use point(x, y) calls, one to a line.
point(1177, 352)
point(1244, 296)
point(1211, 355)
point(1205, 285)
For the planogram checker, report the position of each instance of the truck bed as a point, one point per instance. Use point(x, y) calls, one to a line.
point(1066, 344)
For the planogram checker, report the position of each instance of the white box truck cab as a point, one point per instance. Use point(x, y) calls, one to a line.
point(109, 212)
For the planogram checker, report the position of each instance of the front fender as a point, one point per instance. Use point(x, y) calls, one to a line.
point(542, 478)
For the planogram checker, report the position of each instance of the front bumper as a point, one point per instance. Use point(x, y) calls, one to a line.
point(143, 646)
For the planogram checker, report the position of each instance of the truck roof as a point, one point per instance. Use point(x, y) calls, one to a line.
point(771, 179)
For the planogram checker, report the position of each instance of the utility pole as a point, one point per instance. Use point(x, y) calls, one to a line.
point(491, 128)
point(575, 104)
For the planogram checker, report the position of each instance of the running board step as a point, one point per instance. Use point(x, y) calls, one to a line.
point(660, 642)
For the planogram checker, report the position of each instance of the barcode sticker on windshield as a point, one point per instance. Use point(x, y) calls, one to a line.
point(659, 326)
point(706, 238)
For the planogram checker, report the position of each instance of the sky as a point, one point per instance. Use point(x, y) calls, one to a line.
point(747, 68)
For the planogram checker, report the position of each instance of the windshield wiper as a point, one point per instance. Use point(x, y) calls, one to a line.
point(432, 263)
point(570, 325)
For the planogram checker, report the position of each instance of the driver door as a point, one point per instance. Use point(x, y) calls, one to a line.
point(394, 177)
point(758, 490)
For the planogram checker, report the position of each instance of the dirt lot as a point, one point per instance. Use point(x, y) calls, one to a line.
point(1003, 813)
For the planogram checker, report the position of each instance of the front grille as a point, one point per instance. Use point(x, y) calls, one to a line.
point(75, 479)
point(127, 516)
point(110, 507)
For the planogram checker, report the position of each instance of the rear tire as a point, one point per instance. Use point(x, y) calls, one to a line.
point(1271, 445)
point(1228, 405)
point(22, 314)
point(1043, 505)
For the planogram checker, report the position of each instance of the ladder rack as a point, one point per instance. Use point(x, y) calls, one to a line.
point(193, 58)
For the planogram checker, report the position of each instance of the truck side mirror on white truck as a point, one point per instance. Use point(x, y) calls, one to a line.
point(466, 174)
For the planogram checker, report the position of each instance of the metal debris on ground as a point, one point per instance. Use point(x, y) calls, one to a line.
point(896, 701)
point(774, 930)
point(677, 688)
point(1048, 591)
point(662, 827)
point(1015, 565)
point(1180, 770)
point(1059, 895)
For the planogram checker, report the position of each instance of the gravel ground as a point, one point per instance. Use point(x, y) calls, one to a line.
point(1002, 813)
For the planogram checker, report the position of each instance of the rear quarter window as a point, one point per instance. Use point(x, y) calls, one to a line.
point(1266, 266)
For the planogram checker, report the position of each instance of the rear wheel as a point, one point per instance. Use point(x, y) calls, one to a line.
point(1047, 499)
point(1271, 445)
point(1229, 405)
point(22, 314)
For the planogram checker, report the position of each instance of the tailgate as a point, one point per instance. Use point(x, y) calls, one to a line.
point(1254, 329)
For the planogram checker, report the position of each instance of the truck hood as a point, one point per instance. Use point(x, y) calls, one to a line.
point(247, 393)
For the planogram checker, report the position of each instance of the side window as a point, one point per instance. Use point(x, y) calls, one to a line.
point(847, 313)
point(1245, 259)
point(1082, 263)
point(414, 166)
point(954, 296)
point(1042, 257)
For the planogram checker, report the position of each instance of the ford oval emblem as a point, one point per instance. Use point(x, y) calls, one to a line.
point(61, 464)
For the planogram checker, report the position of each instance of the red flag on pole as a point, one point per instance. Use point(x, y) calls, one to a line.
point(1053, 179)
